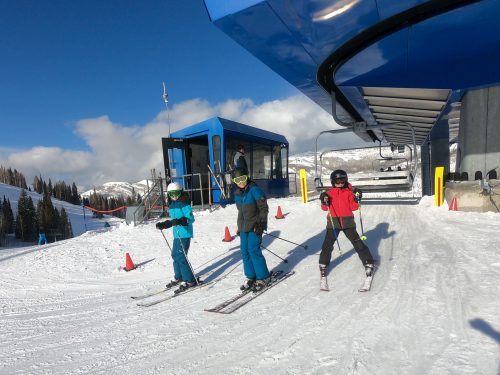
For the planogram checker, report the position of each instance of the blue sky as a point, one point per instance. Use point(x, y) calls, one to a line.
point(66, 60)
point(81, 83)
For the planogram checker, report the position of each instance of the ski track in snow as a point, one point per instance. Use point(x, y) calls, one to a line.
point(433, 307)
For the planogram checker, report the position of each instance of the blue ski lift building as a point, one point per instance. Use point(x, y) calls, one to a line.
point(204, 152)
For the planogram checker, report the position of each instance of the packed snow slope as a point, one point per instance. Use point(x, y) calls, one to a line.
point(433, 308)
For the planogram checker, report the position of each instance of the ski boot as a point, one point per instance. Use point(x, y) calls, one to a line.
point(261, 284)
point(184, 286)
point(369, 269)
point(172, 283)
point(323, 283)
point(247, 285)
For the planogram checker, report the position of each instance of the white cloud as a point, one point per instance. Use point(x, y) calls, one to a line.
point(128, 153)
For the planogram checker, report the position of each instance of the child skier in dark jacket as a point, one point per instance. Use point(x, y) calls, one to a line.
point(252, 222)
point(340, 202)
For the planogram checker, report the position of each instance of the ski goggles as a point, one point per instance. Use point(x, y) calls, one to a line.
point(341, 180)
point(240, 179)
point(174, 193)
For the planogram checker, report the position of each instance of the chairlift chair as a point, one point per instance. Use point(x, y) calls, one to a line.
point(385, 180)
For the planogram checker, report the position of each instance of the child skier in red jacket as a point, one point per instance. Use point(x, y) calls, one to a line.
point(340, 202)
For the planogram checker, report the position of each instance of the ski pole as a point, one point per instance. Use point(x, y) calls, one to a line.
point(185, 255)
point(335, 233)
point(282, 239)
point(363, 237)
point(165, 238)
point(276, 255)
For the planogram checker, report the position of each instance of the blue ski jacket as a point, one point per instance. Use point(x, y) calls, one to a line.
point(182, 208)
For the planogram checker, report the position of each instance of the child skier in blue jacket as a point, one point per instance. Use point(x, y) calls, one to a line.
point(182, 220)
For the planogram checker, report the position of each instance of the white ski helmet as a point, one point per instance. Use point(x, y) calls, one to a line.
point(174, 186)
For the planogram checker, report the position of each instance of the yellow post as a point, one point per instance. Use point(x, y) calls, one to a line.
point(439, 186)
point(303, 185)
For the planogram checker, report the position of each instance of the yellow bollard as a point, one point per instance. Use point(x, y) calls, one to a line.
point(439, 186)
point(303, 185)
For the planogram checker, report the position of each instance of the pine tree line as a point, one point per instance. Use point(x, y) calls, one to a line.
point(29, 220)
point(59, 190)
point(12, 177)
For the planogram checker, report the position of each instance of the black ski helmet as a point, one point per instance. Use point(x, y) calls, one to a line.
point(237, 172)
point(338, 174)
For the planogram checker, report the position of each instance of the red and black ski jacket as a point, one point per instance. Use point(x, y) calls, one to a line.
point(342, 205)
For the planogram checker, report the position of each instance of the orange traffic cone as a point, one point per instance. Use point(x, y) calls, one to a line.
point(279, 214)
point(453, 205)
point(129, 265)
point(227, 236)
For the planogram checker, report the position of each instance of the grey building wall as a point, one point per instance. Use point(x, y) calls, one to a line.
point(479, 135)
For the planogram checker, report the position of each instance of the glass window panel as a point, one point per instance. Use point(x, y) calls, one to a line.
point(216, 153)
point(277, 170)
point(284, 161)
point(261, 161)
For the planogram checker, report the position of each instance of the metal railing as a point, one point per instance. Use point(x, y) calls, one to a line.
point(294, 183)
point(152, 201)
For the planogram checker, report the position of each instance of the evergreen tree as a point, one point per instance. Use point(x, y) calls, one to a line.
point(46, 213)
point(75, 197)
point(26, 222)
point(56, 225)
point(65, 225)
point(50, 188)
point(7, 217)
point(11, 217)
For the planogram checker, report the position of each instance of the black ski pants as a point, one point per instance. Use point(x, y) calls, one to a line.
point(353, 236)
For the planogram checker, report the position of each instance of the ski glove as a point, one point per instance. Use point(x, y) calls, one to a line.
point(358, 194)
point(260, 227)
point(324, 198)
point(181, 221)
point(164, 225)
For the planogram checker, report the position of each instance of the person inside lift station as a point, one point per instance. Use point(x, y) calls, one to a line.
point(239, 159)
point(252, 222)
point(340, 202)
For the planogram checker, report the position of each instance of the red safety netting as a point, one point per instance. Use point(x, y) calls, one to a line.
point(105, 211)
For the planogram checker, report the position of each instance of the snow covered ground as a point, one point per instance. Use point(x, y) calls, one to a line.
point(433, 308)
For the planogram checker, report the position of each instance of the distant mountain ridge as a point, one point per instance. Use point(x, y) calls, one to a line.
point(117, 189)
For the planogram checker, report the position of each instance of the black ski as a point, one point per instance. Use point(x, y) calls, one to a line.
point(229, 301)
point(367, 284)
point(159, 291)
point(241, 299)
point(156, 301)
point(154, 293)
